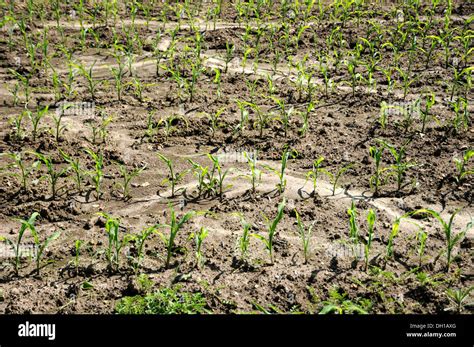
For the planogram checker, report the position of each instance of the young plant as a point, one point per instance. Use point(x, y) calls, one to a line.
point(58, 126)
point(281, 173)
point(376, 179)
point(336, 176)
point(214, 120)
point(98, 174)
point(77, 253)
point(459, 299)
point(115, 243)
point(353, 227)
point(305, 235)
point(198, 240)
point(127, 176)
point(221, 174)
point(24, 171)
point(140, 241)
point(400, 166)
point(173, 178)
point(229, 54)
point(421, 237)
point(25, 225)
point(370, 236)
point(201, 173)
point(425, 114)
point(451, 238)
point(313, 174)
point(118, 73)
point(271, 228)
point(75, 166)
point(41, 246)
point(52, 175)
point(88, 75)
point(244, 239)
point(35, 118)
point(174, 226)
point(461, 166)
point(255, 174)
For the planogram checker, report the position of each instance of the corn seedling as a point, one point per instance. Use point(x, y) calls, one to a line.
point(118, 73)
point(461, 115)
point(281, 172)
point(305, 236)
point(58, 126)
point(35, 118)
point(459, 299)
point(370, 236)
point(255, 174)
point(229, 54)
point(337, 175)
point(425, 113)
point(198, 240)
point(221, 174)
point(353, 227)
point(461, 166)
point(77, 253)
point(88, 75)
point(52, 175)
point(16, 121)
point(174, 226)
point(74, 165)
point(400, 166)
point(24, 171)
point(244, 239)
point(115, 243)
point(127, 177)
point(376, 179)
point(271, 228)
point(25, 225)
point(305, 115)
point(201, 173)
point(313, 174)
point(41, 246)
point(447, 226)
point(173, 178)
point(140, 241)
point(421, 238)
point(214, 120)
point(97, 174)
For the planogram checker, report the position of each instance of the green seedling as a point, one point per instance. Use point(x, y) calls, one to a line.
point(281, 172)
point(218, 180)
point(174, 226)
point(173, 178)
point(271, 228)
point(41, 246)
point(370, 236)
point(459, 299)
point(198, 240)
point(98, 174)
point(452, 239)
point(335, 177)
point(461, 166)
point(115, 243)
point(35, 118)
point(127, 177)
point(305, 236)
point(25, 225)
point(75, 166)
point(52, 175)
point(313, 174)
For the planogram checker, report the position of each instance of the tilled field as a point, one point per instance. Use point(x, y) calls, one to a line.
point(236, 157)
